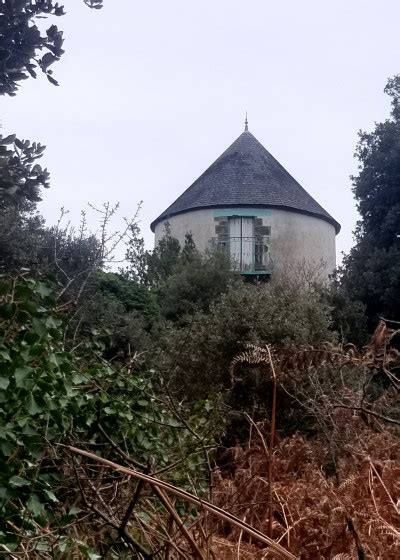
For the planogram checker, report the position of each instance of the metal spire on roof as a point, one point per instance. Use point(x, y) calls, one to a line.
point(246, 123)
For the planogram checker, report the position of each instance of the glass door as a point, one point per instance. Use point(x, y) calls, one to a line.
point(247, 244)
point(235, 242)
point(241, 243)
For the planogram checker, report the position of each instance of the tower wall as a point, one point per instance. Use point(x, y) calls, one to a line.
point(297, 240)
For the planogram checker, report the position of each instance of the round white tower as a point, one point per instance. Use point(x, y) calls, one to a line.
point(247, 205)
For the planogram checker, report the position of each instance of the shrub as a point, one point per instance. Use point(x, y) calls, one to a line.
point(198, 355)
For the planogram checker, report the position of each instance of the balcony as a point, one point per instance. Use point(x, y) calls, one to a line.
point(248, 255)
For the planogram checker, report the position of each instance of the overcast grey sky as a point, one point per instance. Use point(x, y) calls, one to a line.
point(151, 93)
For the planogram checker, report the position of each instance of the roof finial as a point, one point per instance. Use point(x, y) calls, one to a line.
point(246, 123)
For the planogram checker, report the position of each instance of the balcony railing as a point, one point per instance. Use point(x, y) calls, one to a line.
point(247, 254)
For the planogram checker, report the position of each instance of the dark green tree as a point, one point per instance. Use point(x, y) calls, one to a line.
point(371, 271)
point(20, 174)
point(21, 179)
point(163, 260)
point(121, 311)
point(196, 282)
point(181, 279)
point(24, 48)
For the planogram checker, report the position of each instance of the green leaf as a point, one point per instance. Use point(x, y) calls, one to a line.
point(53, 322)
point(7, 448)
point(21, 374)
point(29, 306)
point(208, 406)
point(18, 481)
point(51, 496)
point(7, 310)
point(4, 382)
point(43, 290)
point(39, 327)
point(146, 443)
point(78, 378)
point(32, 406)
point(5, 355)
point(42, 547)
point(92, 555)
point(31, 338)
point(23, 291)
point(74, 510)
point(34, 505)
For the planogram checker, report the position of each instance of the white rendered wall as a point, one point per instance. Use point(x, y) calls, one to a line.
point(199, 222)
point(296, 239)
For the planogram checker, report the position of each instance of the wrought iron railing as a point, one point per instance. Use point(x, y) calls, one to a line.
point(247, 254)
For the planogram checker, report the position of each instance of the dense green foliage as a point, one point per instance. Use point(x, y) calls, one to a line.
point(371, 271)
point(50, 396)
point(20, 173)
point(198, 355)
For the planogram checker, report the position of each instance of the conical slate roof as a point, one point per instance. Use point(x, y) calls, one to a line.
point(246, 174)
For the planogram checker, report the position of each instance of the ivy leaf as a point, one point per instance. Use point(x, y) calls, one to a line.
point(21, 374)
point(7, 448)
point(34, 505)
point(18, 481)
point(4, 382)
point(29, 306)
point(5, 355)
point(7, 310)
point(51, 496)
point(43, 290)
point(32, 406)
point(74, 510)
point(39, 327)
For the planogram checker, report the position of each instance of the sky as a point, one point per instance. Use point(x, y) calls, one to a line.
point(151, 93)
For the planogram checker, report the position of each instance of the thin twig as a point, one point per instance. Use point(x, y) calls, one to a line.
point(361, 409)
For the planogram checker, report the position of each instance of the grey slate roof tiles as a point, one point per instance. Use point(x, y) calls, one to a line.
point(246, 174)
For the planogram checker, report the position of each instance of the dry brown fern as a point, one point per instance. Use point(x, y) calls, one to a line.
point(314, 516)
point(377, 355)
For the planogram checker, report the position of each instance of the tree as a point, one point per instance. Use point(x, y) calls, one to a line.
point(162, 262)
point(121, 311)
point(23, 47)
point(20, 174)
point(371, 272)
point(21, 179)
point(196, 282)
